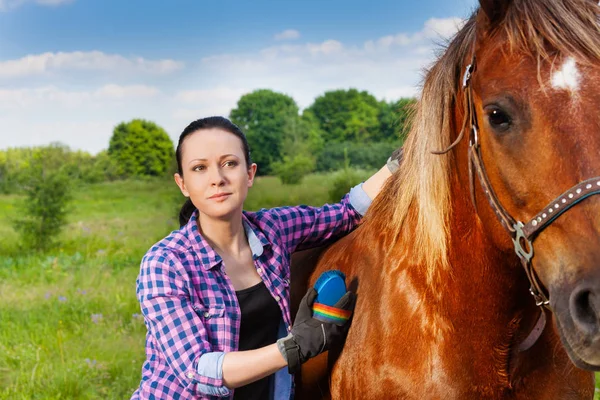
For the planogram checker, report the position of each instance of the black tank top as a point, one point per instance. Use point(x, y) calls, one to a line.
point(258, 328)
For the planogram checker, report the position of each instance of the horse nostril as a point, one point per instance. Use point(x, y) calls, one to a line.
point(584, 311)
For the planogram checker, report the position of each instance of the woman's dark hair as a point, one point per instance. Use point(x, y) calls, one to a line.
point(188, 207)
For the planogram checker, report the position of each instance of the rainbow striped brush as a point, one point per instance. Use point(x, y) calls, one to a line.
point(330, 287)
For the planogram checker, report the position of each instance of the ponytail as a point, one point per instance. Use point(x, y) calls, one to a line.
point(186, 212)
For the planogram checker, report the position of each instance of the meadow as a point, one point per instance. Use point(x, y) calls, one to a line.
point(70, 324)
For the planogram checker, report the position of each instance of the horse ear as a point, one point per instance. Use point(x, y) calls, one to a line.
point(493, 11)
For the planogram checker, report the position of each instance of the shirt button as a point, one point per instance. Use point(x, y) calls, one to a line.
point(259, 270)
point(207, 315)
point(190, 375)
point(277, 298)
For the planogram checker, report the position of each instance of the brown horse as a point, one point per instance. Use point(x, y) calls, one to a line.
point(444, 309)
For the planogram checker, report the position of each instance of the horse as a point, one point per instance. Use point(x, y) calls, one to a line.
point(493, 202)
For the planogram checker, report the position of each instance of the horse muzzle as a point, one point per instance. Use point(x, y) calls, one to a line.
point(577, 315)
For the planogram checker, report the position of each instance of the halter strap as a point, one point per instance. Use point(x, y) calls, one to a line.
point(535, 333)
point(561, 204)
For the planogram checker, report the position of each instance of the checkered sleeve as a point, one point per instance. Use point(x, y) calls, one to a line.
point(170, 317)
point(304, 227)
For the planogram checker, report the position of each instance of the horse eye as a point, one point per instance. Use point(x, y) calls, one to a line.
point(498, 120)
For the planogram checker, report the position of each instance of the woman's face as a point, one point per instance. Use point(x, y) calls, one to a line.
point(215, 175)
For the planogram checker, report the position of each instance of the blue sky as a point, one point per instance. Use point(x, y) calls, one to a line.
point(70, 70)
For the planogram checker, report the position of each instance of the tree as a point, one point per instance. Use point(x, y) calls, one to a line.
point(302, 135)
point(141, 148)
point(292, 169)
point(345, 115)
point(43, 211)
point(264, 115)
point(395, 117)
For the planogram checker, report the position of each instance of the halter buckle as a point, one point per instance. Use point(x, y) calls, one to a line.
point(474, 136)
point(467, 75)
point(539, 300)
point(519, 249)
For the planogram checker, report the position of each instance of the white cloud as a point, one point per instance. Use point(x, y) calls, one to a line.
point(434, 29)
point(219, 94)
point(51, 95)
point(198, 103)
point(47, 63)
point(6, 5)
point(288, 34)
point(124, 92)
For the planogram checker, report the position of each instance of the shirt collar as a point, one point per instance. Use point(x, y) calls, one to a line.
point(208, 257)
point(256, 239)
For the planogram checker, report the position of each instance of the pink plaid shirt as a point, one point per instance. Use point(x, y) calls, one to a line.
point(190, 307)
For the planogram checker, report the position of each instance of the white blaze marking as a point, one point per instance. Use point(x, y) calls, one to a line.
point(567, 77)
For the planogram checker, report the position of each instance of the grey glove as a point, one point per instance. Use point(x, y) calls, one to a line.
point(393, 163)
point(309, 336)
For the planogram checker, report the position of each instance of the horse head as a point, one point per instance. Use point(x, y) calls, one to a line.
point(532, 134)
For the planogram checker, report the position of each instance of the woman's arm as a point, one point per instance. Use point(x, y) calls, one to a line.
point(373, 185)
point(305, 227)
point(243, 367)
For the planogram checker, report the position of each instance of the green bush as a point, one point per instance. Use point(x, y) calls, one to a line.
point(79, 166)
point(141, 148)
point(43, 211)
point(292, 169)
point(344, 180)
point(360, 155)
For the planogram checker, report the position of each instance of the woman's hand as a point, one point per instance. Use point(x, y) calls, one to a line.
point(309, 336)
point(373, 185)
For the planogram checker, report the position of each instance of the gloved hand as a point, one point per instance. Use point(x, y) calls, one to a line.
point(309, 336)
point(393, 163)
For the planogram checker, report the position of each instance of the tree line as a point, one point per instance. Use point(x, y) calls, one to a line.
point(341, 126)
point(340, 130)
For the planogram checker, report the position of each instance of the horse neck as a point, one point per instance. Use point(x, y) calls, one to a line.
point(485, 278)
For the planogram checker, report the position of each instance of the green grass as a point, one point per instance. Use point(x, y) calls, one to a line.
point(69, 321)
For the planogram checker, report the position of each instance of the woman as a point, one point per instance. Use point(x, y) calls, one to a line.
point(215, 293)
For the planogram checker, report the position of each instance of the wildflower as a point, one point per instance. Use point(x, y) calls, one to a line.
point(96, 318)
point(47, 295)
point(62, 299)
point(91, 363)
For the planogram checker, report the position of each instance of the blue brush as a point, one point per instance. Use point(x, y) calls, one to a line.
point(330, 287)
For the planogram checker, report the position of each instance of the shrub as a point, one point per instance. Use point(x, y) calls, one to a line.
point(345, 180)
point(292, 170)
point(360, 155)
point(79, 166)
point(141, 148)
point(43, 211)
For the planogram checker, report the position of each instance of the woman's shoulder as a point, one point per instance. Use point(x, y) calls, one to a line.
point(175, 244)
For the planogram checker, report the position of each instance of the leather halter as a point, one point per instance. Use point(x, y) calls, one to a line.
point(522, 234)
